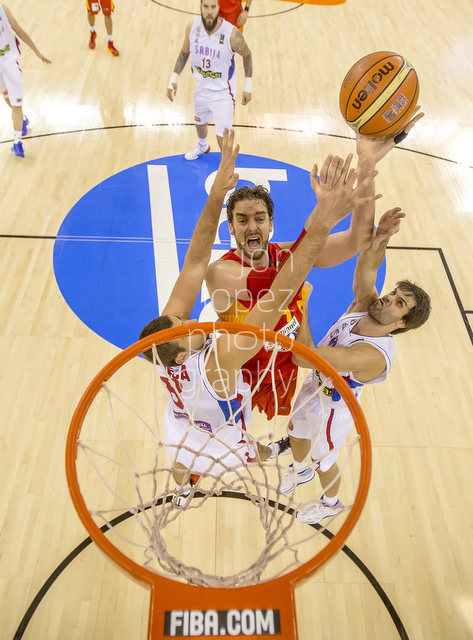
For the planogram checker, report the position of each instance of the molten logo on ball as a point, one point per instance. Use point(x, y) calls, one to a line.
point(371, 87)
point(379, 94)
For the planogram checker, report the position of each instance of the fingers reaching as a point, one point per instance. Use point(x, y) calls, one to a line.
point(388, 225)
point(226, 176)
point(333, 170)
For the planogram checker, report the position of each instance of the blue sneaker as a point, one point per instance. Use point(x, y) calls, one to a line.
point(18, 149)
point(24, 131)
point(293, 480)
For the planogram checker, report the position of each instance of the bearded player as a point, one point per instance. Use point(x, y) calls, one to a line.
point(237, 280)
point(208, 414)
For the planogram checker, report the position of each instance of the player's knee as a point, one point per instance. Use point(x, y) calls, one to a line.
point(333, 468)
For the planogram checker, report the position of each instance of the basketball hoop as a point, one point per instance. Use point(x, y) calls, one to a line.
point(182, 606)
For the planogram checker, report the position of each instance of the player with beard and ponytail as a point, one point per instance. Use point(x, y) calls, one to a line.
point(360, 346)
point(212, 42)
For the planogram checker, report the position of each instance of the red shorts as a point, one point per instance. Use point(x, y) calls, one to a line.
point(94, 6)
point(264, 397)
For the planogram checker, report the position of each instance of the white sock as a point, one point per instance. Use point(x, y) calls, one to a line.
point(202, 142)
point(110, 38)
point(183, 488)
point(92, 29)
point(332, 501)
point(299, 466)
point(16, 137)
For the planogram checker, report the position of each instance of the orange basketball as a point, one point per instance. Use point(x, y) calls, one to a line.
point(379, 94)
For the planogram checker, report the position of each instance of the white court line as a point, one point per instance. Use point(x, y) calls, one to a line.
point(166, 262)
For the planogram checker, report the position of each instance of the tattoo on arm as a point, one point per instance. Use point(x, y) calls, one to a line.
point(181, 62)
point(239, 46)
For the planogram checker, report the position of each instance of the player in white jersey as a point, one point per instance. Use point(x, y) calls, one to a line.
point(360, 347)
point(220, 380)
point(212, 42)
point(11, 84)
point(193, 401)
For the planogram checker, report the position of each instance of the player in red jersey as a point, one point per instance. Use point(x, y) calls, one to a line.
point(93, 7)
point(236, 281)
point(232, 11)
point(208, 378)
point(258, 281)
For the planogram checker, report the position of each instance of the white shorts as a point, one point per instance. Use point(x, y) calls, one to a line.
point(325, 426)
point(11, 83)
point(221, 104)
point(198, 452)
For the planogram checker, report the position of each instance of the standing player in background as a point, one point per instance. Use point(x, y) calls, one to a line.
point(209, 395)
point(359, 346)
point(11, 83)
point(236, 280)
point(93, 7)
point(212, 42)
point(232, 11)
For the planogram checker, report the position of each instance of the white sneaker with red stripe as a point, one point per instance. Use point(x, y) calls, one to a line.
point(197, 152)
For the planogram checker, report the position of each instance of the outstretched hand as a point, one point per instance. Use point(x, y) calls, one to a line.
point(43, 58)
point(375, 149)
point(388, 225)
point(336, 192)
point(226, 178)
point(329, 175)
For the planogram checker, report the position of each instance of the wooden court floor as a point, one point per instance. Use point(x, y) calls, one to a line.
point(92, 116)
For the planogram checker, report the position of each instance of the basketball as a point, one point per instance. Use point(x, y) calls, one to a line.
point(379, 94)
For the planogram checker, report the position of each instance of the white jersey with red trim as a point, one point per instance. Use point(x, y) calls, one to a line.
point(9, 43)
point(212, 57)
point(192, 400)
point(341, 335)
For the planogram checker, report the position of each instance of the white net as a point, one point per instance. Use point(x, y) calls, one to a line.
point(232, 525)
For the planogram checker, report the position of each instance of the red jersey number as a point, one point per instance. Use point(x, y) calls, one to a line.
point(172, 391)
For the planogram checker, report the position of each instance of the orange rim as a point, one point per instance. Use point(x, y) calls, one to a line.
point(153, 579)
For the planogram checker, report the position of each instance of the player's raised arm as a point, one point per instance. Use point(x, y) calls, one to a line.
point(362, 359)
point(189, 282)
point(333, 205)
point(229, 280)
point(344, 245)
point(369, 261)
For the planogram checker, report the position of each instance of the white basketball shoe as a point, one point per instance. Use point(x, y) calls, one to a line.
point(292, 479)
point(318, 511)
point(197, 152)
